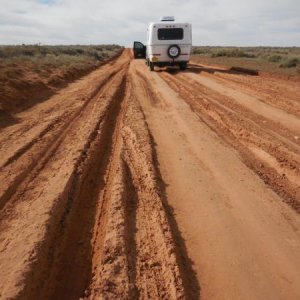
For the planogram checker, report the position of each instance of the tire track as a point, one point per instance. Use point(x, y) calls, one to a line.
point(287, 125)
point(241, 130)
point(88, 220)
point(60, 107)
point(52, 181)
point(278, 93)
point(135, 254)
point(75, 252)
point(144, 92)
point(240, 235)
point(16, 168)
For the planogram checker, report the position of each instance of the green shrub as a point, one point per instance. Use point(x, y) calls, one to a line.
point(28, 52)
point(97, 55)
point(275, 58)
point(198, 51)
point(291, 63)
point(80, 51)
point(45, 51)
point(69, 51)
point(219, 53)
point(33, 51)
point(2, 54)
point(231, 53)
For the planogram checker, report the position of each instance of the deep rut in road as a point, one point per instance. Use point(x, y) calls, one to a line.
point(19, 160)
point(135, 256)
point(266, 147)
point(100, 227)
point(241, 236)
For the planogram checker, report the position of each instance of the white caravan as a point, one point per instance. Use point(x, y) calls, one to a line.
point(168, 44)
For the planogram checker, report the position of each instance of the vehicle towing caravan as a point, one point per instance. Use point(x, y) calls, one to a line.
point(169, 43)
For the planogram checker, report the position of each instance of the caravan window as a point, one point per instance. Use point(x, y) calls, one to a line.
point(170, 33)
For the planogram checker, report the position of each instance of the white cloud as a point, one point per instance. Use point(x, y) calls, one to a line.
point(215, 22)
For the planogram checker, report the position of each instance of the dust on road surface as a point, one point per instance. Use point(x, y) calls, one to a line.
point(165, 185)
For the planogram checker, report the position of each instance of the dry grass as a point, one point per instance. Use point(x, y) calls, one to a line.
point(30, 73)
point(44, 60)
point(283, 61)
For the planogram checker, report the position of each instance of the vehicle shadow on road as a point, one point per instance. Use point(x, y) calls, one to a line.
point(189, 277)
point(199, 69)
point(233, 70)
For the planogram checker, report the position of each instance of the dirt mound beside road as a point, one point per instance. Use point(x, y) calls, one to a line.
point(28, 80)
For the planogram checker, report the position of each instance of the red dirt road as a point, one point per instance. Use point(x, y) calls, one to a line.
point(131, 184)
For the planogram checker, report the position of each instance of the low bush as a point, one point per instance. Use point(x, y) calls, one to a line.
point(33, 51)
point(232, 53)
point(275, 58)
point(28, 52)
point(97, 55)
point(291, 63)
point(198, 51)
point(219, 53)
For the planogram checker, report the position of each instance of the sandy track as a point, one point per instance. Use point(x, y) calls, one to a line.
point(266, 146)
point(132, 184)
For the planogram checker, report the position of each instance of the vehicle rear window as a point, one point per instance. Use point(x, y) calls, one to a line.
point(170, 33)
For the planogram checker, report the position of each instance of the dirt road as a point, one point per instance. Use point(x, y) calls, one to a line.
point(154, 185)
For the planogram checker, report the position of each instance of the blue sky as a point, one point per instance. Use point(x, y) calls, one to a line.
point(215, 22)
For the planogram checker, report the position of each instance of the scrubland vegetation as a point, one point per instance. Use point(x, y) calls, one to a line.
point(279, 60)
point(30, 72)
